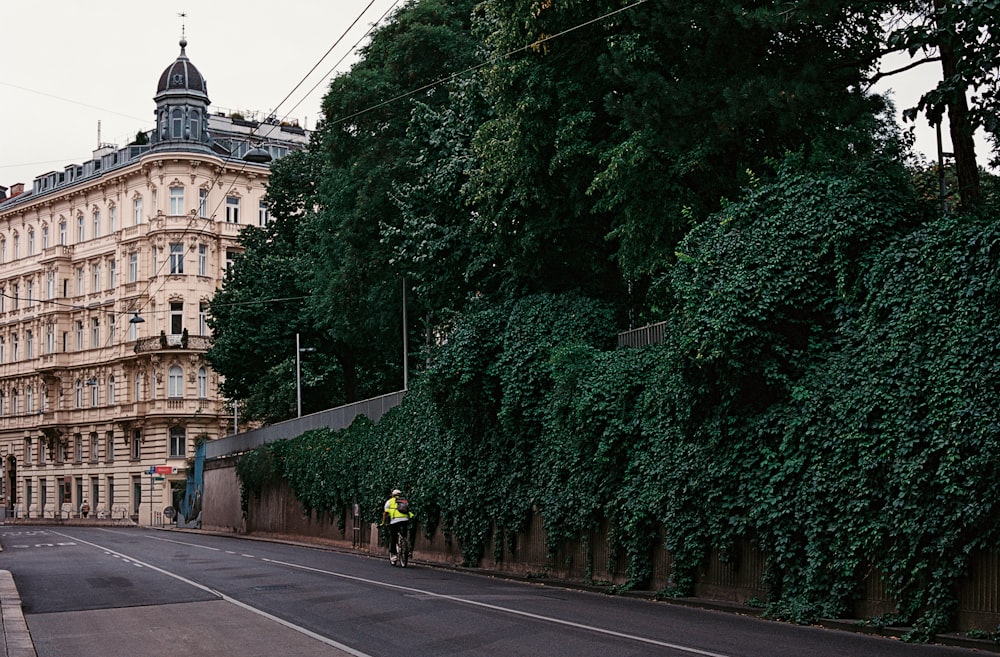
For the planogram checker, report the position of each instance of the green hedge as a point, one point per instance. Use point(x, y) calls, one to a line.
point(827, 388)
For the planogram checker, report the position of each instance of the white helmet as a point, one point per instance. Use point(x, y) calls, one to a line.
point(396, 491)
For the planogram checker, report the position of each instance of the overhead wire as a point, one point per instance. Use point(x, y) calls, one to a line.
point(243, 164)
point(444, 80)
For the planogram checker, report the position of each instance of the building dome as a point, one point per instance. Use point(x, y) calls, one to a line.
point(182, 77)
point(181, 107)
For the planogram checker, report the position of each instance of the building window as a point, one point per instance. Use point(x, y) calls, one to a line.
point(178, 443)
point(62, 233)
point(95, 278)
point(176, 201)
point(13, 401)
point(203, 203)
point(262, 214)
point(79, 335)
point(50, 285)
point(133, 267)
point(79, 280)
point(112, 273)
point(202, 383)
point(95, 396)
point(109, 447)
point(111, 329)
point(31, 242)
point(14, 344)
point(111, 390)
point(45, 237)
point(28, 449)
point(17, 246)
point(202, 318)
point(176, 258)
point(175, 382)
point(137, 396)
point(3, 355)
point(203, 260)
point(79, 393)
point(95, 333)
point(79, 228)
point(78, 448)
point(29, 344)
point(177, 124)
point(194, 123)
point(50, 339)
point(233, 209)
point(176, 317)
point(30, 289)
point(112, 219)
point(137, 211)
point(136, 444)
point(3, 251)
point(29, 400)
point(97, 224)
point(16, 294)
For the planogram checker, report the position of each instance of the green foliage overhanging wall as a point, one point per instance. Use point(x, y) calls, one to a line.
point(827, 388)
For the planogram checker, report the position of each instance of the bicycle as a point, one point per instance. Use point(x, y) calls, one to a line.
point(402, 548)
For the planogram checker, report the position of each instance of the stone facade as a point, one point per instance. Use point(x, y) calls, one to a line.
point(106, 271)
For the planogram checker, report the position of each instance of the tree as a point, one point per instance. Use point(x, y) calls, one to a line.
point(964, 35)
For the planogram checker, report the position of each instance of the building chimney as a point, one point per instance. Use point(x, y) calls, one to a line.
point(16, 189)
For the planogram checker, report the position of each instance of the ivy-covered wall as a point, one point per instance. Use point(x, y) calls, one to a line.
point(827, 391)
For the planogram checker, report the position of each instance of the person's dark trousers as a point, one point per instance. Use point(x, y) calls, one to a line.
point(394, 529)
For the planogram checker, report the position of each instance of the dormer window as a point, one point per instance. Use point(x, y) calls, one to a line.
point(177, 124)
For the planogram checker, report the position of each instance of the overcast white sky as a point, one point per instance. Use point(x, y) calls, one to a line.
point(67, 65)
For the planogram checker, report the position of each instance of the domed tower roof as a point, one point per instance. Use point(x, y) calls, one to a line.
point(182, 78)
point(181, 107)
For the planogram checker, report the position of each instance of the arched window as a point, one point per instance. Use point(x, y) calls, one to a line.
point(175, 381)
point(111, 390)
point(202, 383)
point(79, 393)
point(177, 124)
point(29, 400)
point(13, 401)
point(138, 385)
point(195, 124)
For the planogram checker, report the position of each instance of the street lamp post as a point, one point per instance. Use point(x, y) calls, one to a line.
point(298, 373)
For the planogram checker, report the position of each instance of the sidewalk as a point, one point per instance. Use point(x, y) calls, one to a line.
point(16, 638)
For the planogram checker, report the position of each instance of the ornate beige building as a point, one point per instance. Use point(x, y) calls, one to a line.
point(106, 271)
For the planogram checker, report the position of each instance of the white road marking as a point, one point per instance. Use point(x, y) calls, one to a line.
point(516, 612)
point(233, 601)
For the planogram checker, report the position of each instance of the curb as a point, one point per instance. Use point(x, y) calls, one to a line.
point(16, 638)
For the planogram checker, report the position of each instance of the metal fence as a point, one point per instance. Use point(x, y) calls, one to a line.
point(642, 336)
point(333, 418)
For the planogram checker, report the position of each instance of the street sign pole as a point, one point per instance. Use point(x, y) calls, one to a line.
point(152, 472)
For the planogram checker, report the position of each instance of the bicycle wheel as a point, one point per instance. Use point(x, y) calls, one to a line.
point(402, 550)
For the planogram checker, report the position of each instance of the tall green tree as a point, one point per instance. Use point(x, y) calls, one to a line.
point(963, 38)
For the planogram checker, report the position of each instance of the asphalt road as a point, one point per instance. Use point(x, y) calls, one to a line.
point(89, 591)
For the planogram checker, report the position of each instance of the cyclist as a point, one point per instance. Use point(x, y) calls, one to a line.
point(399, 521)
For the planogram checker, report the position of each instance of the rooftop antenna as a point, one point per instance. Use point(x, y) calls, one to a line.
point(182, 16)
